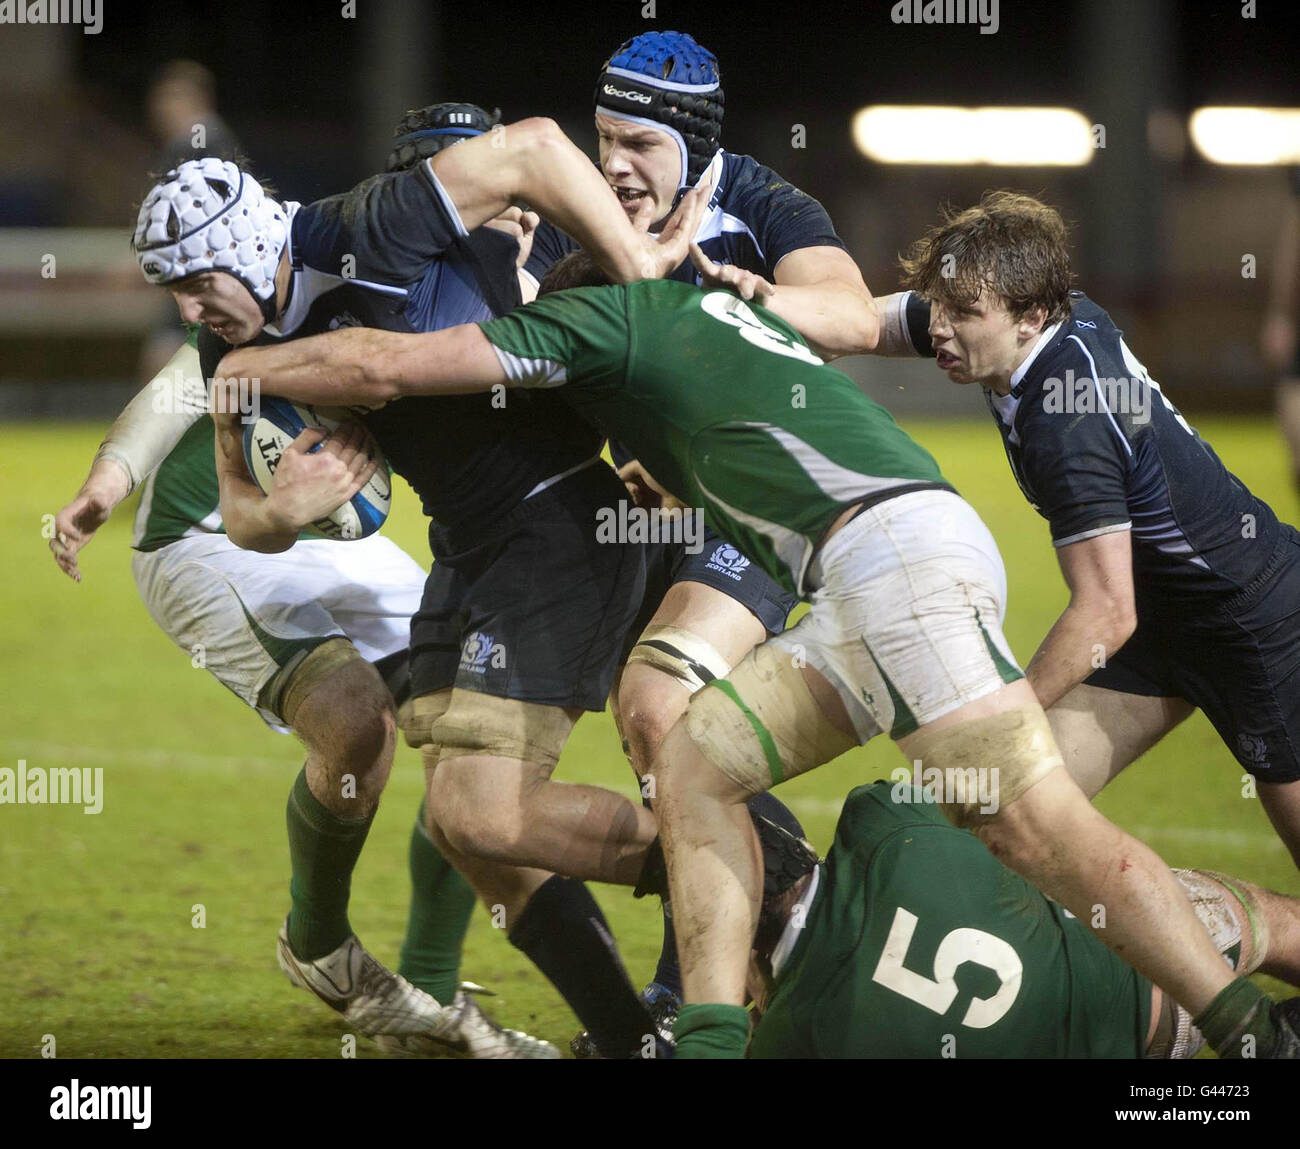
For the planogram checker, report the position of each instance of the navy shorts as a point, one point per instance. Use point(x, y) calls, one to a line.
point(1239, 661)
point(531, 606)
point(719, 565)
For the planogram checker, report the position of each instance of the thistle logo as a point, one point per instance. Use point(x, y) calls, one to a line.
point(729, 561)
point(480, 652)
point(1252, 750)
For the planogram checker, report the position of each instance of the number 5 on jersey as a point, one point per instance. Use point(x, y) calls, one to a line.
point(957, 947)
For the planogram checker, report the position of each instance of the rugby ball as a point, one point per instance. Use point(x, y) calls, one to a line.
point(277, 424)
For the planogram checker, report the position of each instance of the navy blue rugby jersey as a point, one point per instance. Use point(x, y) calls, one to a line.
point(392, 253)
point(754, 219)
point(1097, 447)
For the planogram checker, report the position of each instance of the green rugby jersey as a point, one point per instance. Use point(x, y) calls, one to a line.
point(919, 943)
point(723, 403)
point(181, 497)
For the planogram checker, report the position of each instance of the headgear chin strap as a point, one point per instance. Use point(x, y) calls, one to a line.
point(666, 80)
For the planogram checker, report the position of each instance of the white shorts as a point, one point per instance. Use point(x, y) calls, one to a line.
point(244, 615)
point(906, 620)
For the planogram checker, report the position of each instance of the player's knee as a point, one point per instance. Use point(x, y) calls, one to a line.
point(681, 770)
point(665, 668)
point(348, 717)
point(476, 815)
point(1044, 831)
point(1018, 839)
point(649, 711)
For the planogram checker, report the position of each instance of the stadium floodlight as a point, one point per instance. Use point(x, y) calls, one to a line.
point(1009, 137)
point(1247, 135)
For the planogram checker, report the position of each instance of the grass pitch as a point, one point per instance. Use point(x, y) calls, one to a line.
point(97, 939)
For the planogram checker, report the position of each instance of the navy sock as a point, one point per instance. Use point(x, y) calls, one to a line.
point(564, 934)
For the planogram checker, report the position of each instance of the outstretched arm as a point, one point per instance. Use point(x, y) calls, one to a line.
point(534, 162)
point(141, 437)
point(75, 525)
point(362, 366)
point(819, 291)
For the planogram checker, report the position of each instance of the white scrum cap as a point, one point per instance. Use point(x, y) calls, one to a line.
point(208, 215)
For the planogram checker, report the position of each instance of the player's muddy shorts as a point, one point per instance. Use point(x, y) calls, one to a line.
point(244, 616)
point(1239, 661)
point(719, 565)
point(906, 618)
point(530, 606)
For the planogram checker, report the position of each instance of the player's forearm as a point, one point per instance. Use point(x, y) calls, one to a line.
point(156, 419)
point(1079, 643)
point(834, 318)
point(109, 482)
point(343, 368)
point(365, 367)
point(903, 321)
point(562, 185)
point(534, 162)
point(251, 521)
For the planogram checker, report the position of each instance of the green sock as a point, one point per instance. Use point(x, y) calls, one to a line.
point(323, 850)
point(441, 905)
point(1239, 1011)
point(711, 1030)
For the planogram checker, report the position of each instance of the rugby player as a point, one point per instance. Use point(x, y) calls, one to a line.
point(254, 619)
point(903, 635)
point(315, 639)
point(912, 940)
point(526, 645)
point(659, 111)
point(1184, 586)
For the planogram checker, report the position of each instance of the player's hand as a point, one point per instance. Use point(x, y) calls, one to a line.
point(1277, 341)
point(635, 479)
point(667, 250)
point(645, 490)
point(744, 283)
point(519, 224)
point(310, 485)
point(75, 525)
